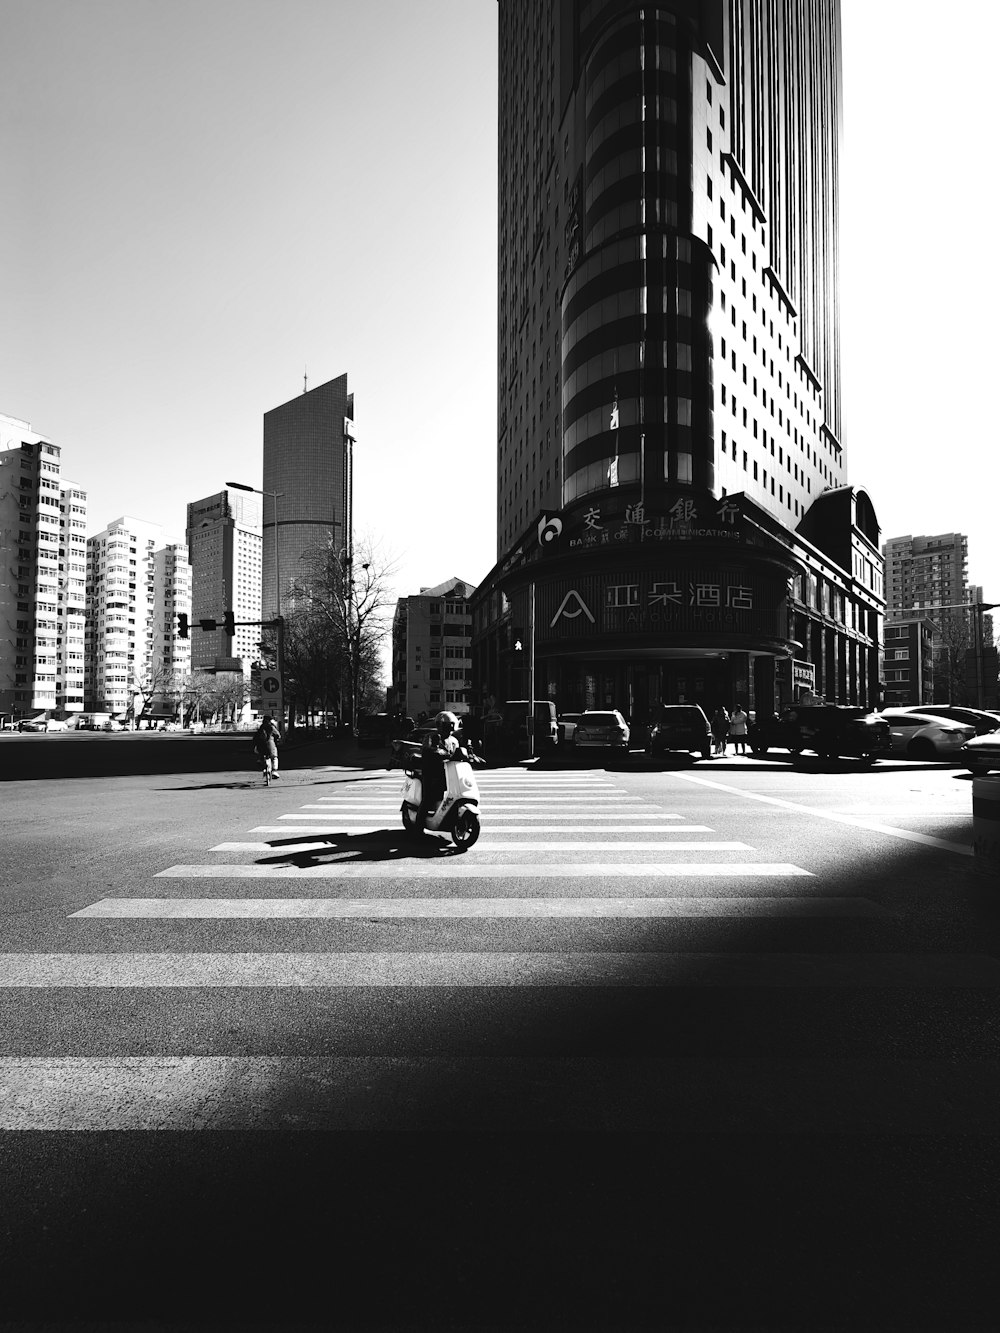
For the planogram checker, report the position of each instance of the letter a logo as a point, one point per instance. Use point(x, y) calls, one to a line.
point(572, 598)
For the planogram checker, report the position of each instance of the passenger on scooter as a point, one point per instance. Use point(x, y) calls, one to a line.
point(437, 747)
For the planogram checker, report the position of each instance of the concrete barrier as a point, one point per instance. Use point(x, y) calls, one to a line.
point(986, 821)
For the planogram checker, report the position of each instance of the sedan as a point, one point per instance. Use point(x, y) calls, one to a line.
point(921, 736)
point(981, 754)
point(978, 718)
point(604, 730)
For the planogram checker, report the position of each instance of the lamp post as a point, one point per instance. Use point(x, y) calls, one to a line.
point(275, 497)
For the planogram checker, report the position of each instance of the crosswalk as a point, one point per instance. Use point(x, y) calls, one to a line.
point(561, 854)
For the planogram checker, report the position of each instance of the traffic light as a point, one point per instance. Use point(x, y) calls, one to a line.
point(182, 625)
point(517, 639)
point(229, 623)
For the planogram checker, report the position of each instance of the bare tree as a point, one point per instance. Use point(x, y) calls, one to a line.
point(340, 613)
point(952, 642)
point(149, 682)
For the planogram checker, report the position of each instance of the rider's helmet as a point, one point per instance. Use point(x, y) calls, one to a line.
point(446, 723)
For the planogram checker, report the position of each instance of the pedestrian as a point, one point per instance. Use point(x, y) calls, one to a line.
point(738, 729)
point(720, 729)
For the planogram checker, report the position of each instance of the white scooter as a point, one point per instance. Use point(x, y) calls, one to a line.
point(457, 813)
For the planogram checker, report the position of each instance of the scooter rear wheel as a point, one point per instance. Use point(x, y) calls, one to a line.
point(465, 830)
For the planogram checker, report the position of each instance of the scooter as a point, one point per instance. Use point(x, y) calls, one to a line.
point(457, 813)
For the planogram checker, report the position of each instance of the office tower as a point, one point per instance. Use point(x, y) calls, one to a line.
point(308, 462)
point(120, 607)
point(37, 604)
point(431, 663)
point(170, 655)
point(674, 519)
point(224, 544)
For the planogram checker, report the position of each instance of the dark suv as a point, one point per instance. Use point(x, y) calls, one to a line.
point(829, 730)
point(680, 727)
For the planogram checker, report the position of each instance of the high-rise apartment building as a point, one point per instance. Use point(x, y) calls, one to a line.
point(926, 574)
point(929, 576)
point(309, 465)
point(224, 544)
point(42, 542)
point(170, 655)
point(120, 608)
point(431, 651)
point(72, 613)
point(674, 517)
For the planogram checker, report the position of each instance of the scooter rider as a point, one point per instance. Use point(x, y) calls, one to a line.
point(438, 746)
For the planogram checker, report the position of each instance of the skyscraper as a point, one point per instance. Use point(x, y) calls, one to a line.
point(224, 546)
point(674, 518)
point(309, 463)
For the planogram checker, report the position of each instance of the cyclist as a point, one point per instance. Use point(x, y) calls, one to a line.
point(265, 743)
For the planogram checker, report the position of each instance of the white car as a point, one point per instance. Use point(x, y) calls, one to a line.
point(921, 736)
point(605, 729)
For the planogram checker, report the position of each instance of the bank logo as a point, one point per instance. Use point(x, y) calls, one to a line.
point(580, 607)
point(548, 530)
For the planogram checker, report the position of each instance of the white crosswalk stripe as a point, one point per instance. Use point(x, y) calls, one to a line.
point(542, 861)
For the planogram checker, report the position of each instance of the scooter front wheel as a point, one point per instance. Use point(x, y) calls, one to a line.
point(465, 830)
point(409, 817)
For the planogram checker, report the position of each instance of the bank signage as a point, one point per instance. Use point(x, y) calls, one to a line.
point(682, 518)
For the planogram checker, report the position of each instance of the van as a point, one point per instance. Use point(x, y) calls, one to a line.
point(515, 730)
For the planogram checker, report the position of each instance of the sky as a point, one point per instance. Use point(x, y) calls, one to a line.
point(206, 200)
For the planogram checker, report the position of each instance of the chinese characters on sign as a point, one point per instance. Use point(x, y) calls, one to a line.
point(734, 597)
point(685, 519)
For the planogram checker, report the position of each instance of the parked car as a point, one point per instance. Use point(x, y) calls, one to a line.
point(920, 736)
point(680, 727)
point(981, 754)
point(829, 730)
point(604, 729)
point(513, 731)
point(979, 718)
point(33, 724)
point(567, 725)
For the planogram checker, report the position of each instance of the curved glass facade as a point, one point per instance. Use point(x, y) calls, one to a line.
point(635, 308)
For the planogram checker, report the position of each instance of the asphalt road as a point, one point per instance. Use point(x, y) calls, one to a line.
point(692, 1047)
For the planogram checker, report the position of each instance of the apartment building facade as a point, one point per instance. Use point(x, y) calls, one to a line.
point(120, 628)
point(42, 547)
point(431, 650)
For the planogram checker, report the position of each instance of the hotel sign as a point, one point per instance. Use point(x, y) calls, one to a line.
point(678, 597)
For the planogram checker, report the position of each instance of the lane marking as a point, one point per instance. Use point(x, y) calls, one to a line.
point(456, 866)
point(368, 909)
point(546, 828)
point(555, 845)
point(853, 821)
point(360, 817)
point(498, 827)
point(481, 968)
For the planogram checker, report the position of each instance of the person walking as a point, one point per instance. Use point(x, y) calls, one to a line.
point(720, 729)
point(738, 729)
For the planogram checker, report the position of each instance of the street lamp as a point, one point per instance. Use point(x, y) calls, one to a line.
point(275, 497)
